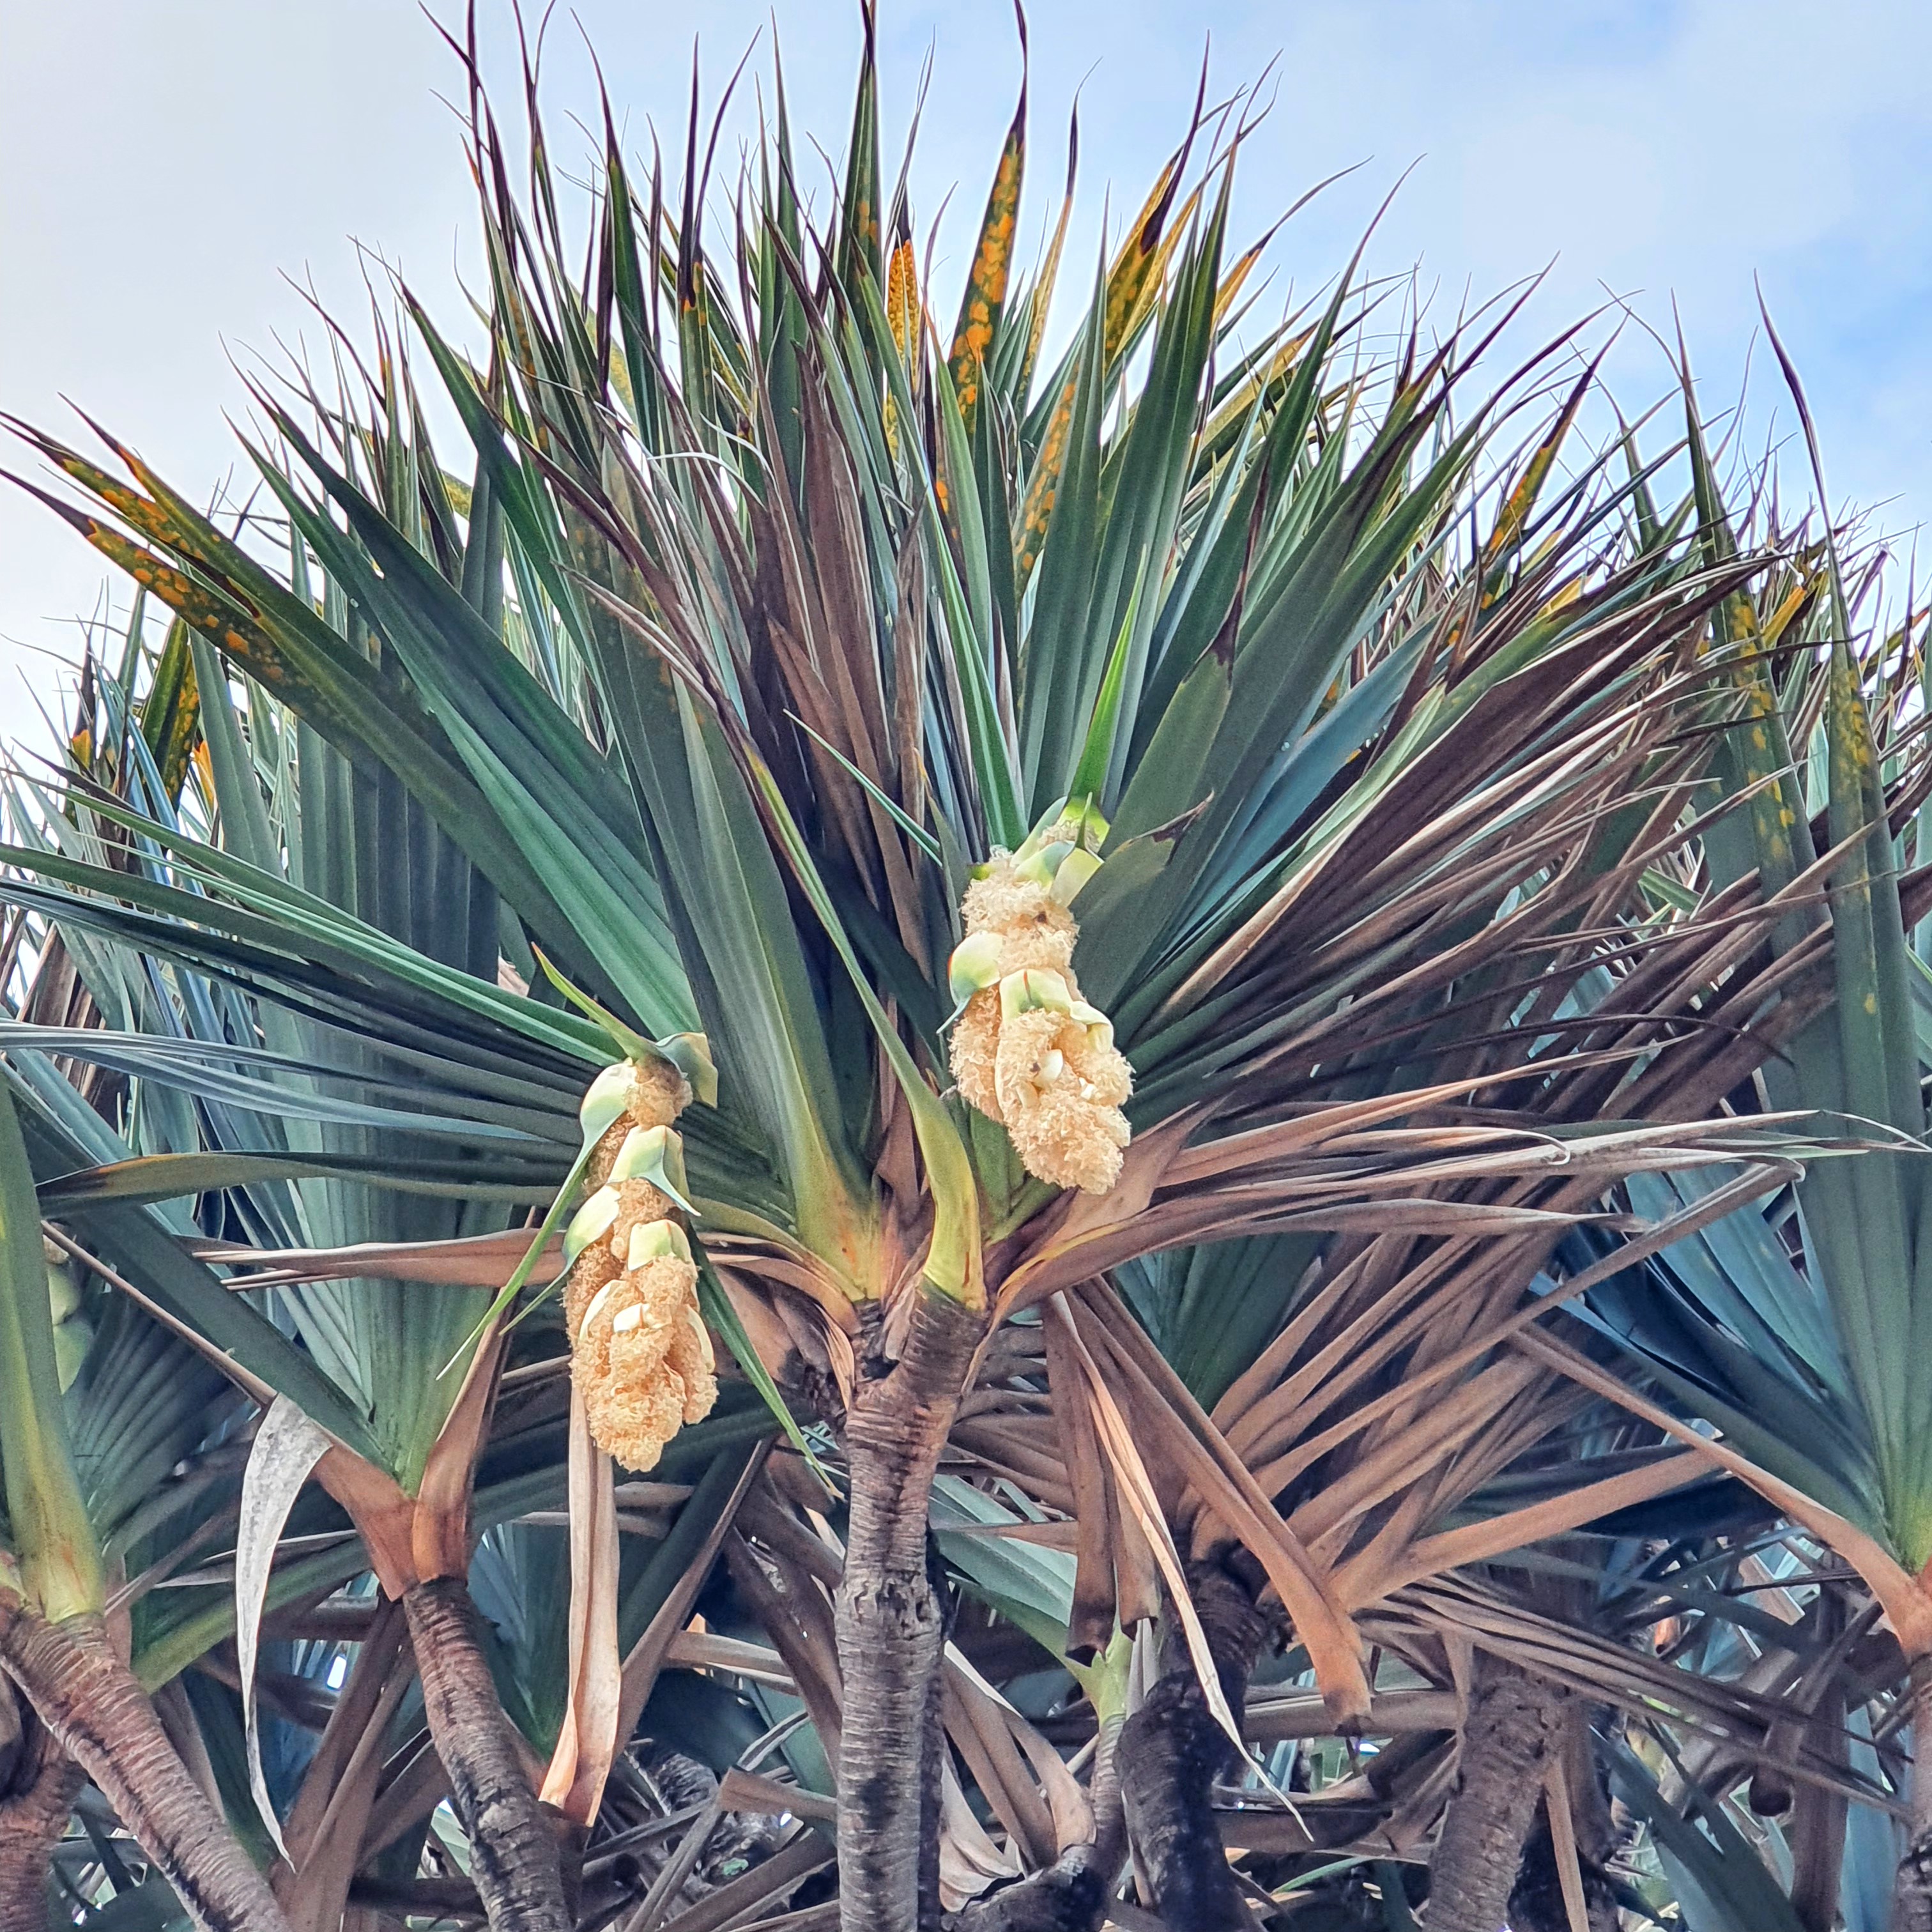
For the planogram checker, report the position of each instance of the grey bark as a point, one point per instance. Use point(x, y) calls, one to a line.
point(1514, 1731)
point(98, 1713)
point(890, 1621)
point(1171, 1751)
point(516, 1859)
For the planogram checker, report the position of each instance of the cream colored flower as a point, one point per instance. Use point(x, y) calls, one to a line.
point(640, 1355)
point(629, 1332)
point(1061, 1129)
point(1026, 1049)
point(975, 1049)
point(633, 1418)
point(655, 1095)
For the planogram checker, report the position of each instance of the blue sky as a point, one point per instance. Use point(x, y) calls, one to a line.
point(167, 169)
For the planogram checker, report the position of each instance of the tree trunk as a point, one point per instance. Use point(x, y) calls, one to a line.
point(890, 1621)
point(90, 1701)
point(1514, 1731)
point(1171, 1751)
point(38, 1784)
point(1073, 1894)
point(1815, 1829)
point(514, 1857)
point(1537, 1904)
point(932, 1759)
point(1911, 1894)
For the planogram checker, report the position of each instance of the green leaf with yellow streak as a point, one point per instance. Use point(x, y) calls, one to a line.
point(1514, 516)
point(1134, 282)
point(992, 261)
point(266, 631)
point(171, 717)
point(860, 228)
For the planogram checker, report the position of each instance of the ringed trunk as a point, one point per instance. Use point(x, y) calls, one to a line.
point(98, 1713)
point(1912, 1894)
point(890, 1620)
point(1515, 1730)
point(932, 1764)
point(38, 1784)
point(1172, 1750)
point(1537, 1903)
point(515, 1859)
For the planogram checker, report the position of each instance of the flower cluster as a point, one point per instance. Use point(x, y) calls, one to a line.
point(1027, 1050)
point(640, 1354)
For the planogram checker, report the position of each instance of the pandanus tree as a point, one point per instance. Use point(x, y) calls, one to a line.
point(87, 1450)
point(153, 892)
point(1800, 1346)
point(1038, 814)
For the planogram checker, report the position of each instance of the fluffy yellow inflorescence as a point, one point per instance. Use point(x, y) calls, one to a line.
point(1026, 1050)
point(640, 1354)
point(1067, 1126)
point(1032, 931)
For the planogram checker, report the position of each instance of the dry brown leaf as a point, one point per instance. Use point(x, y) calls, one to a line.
point(588, 1739)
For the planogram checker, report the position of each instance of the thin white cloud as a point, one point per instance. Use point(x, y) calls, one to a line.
point(165, 169)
